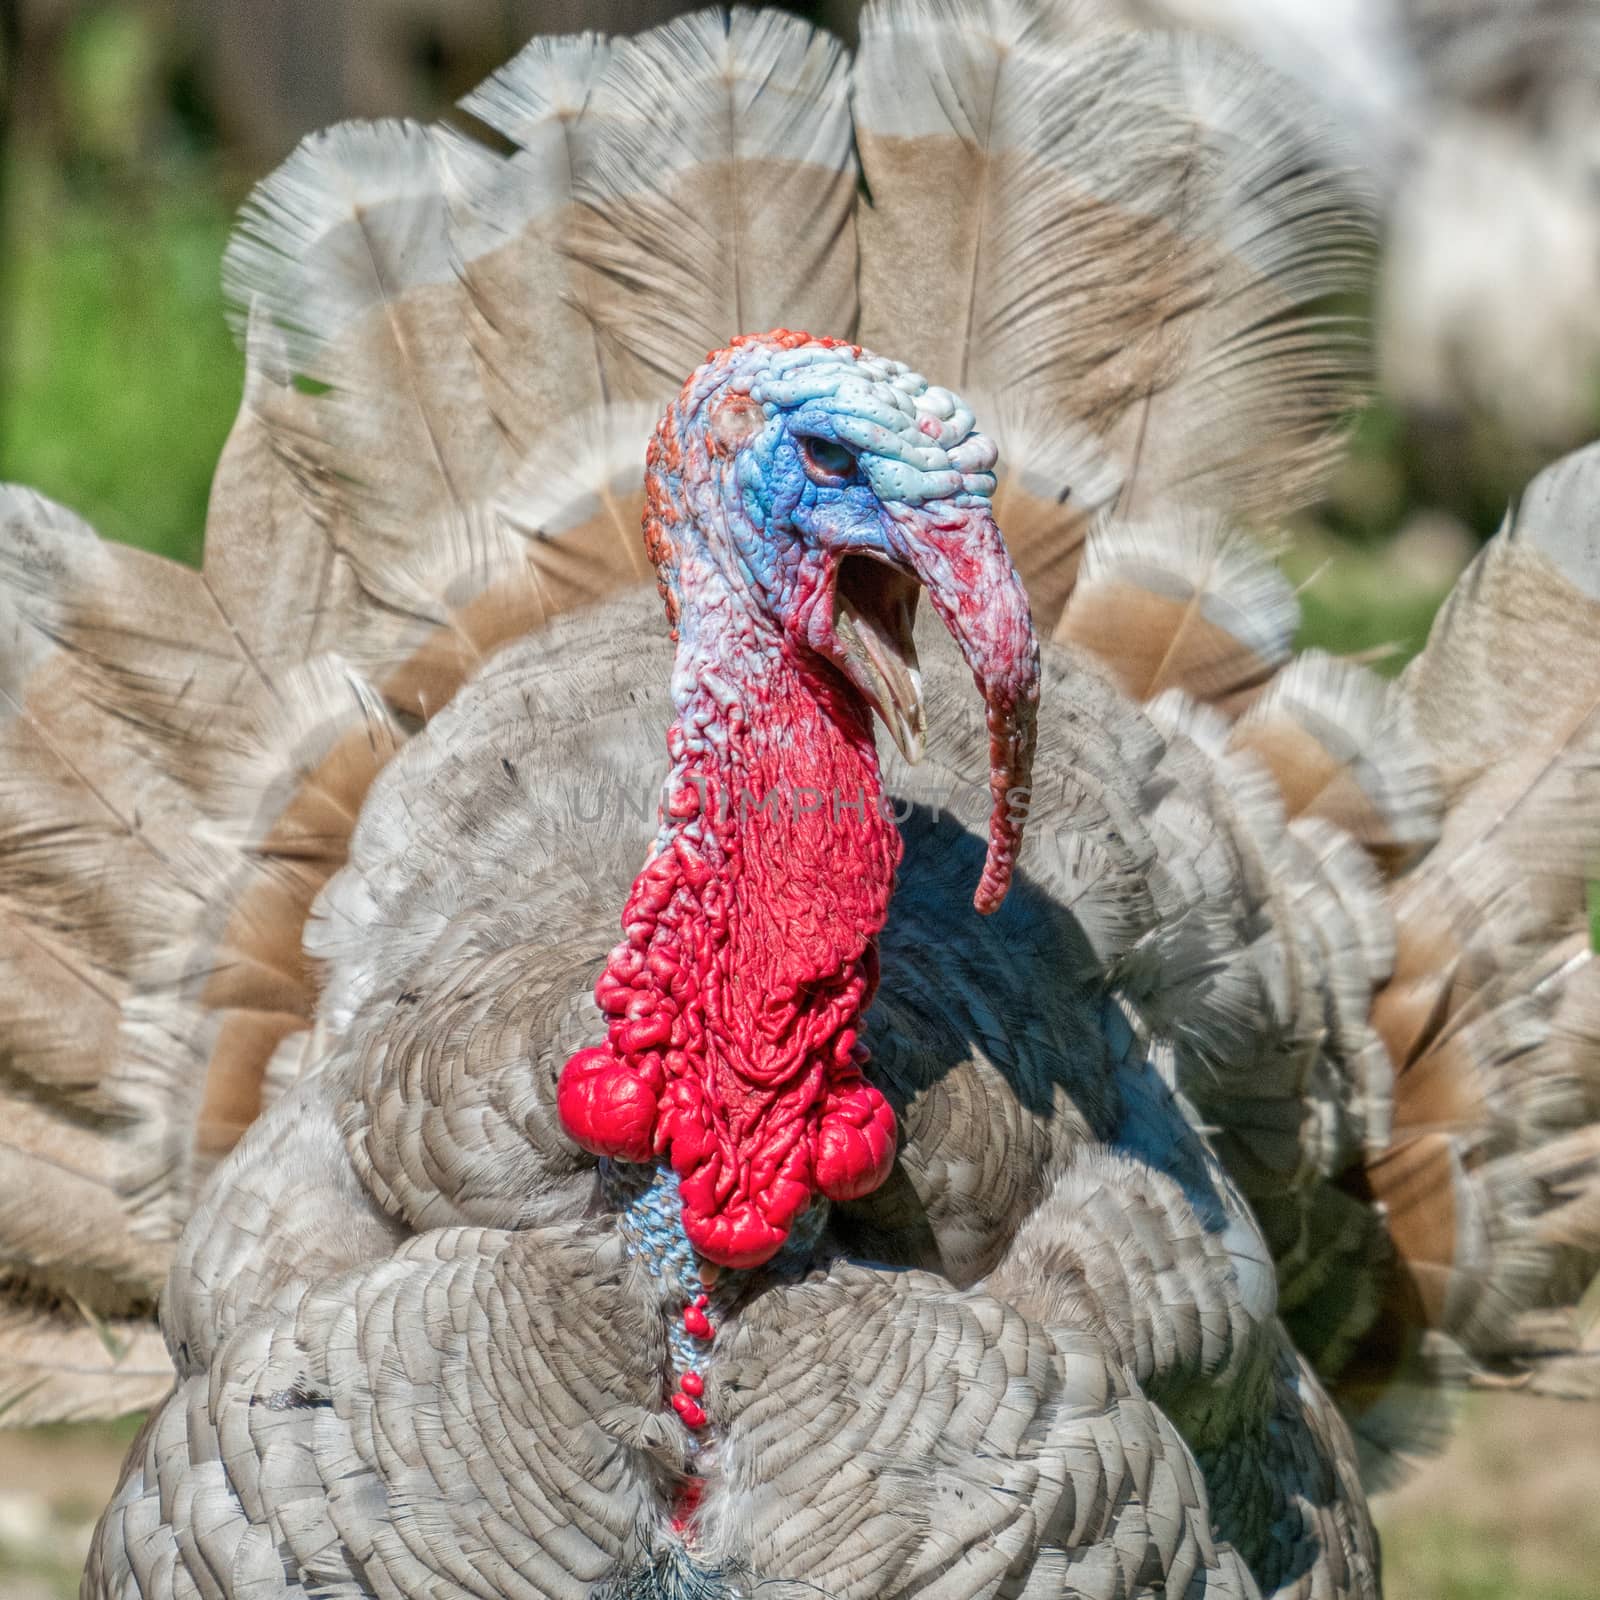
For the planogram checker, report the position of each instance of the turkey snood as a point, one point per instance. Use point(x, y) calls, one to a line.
point(800, 491)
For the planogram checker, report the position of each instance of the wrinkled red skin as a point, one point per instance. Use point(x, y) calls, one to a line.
point(749, 958)
point(750, 951)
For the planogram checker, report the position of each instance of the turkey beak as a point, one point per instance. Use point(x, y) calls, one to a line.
point(874, 611)
point(959, 557)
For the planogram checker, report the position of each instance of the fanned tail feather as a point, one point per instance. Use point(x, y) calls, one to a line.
point(1372, 977)
point(722, 200)
point(1507, 697)
point(1139, 233)
point(1189, 601)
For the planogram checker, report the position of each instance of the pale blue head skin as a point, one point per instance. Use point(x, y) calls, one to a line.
point(914, 443)
point(837, 451)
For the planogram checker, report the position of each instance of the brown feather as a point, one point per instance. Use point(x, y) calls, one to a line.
point(1188, 604)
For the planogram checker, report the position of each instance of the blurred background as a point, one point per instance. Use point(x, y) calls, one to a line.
point(130, 130)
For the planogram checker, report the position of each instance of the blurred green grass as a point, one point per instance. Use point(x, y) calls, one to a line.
point(54, 1483)
point(120, 379)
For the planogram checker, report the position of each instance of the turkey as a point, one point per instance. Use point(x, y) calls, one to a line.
point(1077, 1161)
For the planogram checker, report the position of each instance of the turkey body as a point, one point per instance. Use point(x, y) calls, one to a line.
point(1043, 1360)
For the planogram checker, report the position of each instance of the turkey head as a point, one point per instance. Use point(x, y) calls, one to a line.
point(800, 492)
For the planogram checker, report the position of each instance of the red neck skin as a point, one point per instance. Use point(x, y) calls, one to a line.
point(750, 954)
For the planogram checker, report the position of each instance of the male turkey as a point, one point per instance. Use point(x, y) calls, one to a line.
point(309, 862)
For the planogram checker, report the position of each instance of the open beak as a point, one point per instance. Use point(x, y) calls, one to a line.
point(874, 612)
point(959, 557)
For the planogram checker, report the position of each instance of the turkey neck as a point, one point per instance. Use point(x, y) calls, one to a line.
point(782, 861)
point(750, 947)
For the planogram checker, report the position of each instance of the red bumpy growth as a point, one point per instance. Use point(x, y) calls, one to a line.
point(750, 955)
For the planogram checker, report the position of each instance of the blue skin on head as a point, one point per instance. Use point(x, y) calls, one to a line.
point(890, 449)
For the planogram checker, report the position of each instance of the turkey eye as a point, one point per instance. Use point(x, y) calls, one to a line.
point(827, 461)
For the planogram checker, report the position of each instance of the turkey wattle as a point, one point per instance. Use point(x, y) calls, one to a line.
point(1104, 1245)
